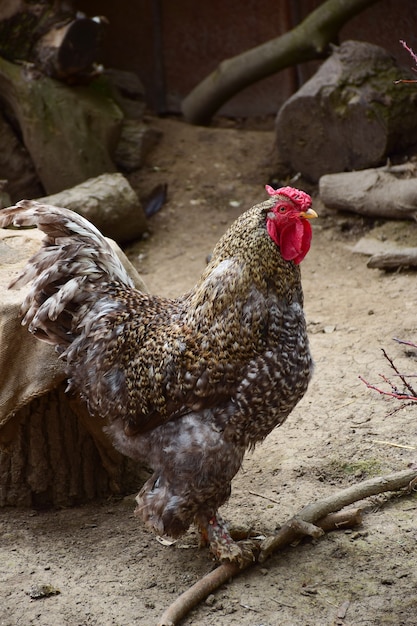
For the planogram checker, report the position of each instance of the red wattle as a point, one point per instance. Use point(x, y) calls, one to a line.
point(293, 240)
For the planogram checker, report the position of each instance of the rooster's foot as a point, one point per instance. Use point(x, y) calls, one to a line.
point(216, 534)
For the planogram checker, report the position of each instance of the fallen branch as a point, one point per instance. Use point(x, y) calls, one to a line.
point(314, 519)
point(313, 512)
point(226, 571)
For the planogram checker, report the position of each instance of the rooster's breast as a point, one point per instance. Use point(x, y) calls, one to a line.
point(275, 379)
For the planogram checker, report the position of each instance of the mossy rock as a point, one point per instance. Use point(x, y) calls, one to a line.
point(351, 115)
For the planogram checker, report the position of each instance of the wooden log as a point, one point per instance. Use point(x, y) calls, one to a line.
point(137, 138)
point(350, 115)
point(388, 192)
point(71, 52)
point(109, 202)
point(23, 22)
point(5, 200)
point(127, 91)
point(61, 43)
point(394, 259)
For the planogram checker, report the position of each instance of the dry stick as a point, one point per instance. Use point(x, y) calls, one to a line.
point(318, 517)
point(222, 574)
point(313, 512)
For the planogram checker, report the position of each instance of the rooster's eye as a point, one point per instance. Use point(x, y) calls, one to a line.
point(282, 208)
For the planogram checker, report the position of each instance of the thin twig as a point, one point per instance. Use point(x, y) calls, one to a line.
point(289, 606)
point(322, 514)
point(261, 495)
point(394, 445)
point(409, 50)
point(407, 375)
point(397, 396)
point(402, 378)
point(405, 343)
point(414, 56)
point(408, 393)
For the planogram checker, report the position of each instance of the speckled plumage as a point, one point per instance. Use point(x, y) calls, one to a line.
point(185, 385)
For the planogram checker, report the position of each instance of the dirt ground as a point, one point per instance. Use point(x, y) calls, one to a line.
point(110, 571)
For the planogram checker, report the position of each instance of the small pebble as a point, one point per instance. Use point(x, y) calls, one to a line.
point(42, 591)
point(308, 591)
point(149, 605)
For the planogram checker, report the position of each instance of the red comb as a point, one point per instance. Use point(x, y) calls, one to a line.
point(301, 198)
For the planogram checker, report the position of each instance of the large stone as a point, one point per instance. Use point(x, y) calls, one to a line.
point(350, 115)
point(109, 202)
point(70, 133)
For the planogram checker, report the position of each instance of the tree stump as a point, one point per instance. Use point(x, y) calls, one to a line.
point(350, 115)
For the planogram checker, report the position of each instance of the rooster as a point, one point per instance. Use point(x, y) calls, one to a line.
point(185, 385)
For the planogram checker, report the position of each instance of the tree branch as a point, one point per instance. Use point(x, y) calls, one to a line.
point(316, 510)
point(313, 519)
point(307, 41)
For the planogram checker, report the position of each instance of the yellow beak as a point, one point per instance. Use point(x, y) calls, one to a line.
point(309, 214)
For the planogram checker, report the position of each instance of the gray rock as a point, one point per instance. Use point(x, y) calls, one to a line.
point(350, 115)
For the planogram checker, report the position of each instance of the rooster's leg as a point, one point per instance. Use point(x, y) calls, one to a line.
point(215, 533)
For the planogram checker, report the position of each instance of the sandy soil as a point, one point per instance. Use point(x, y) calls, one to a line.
point(110, 571)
